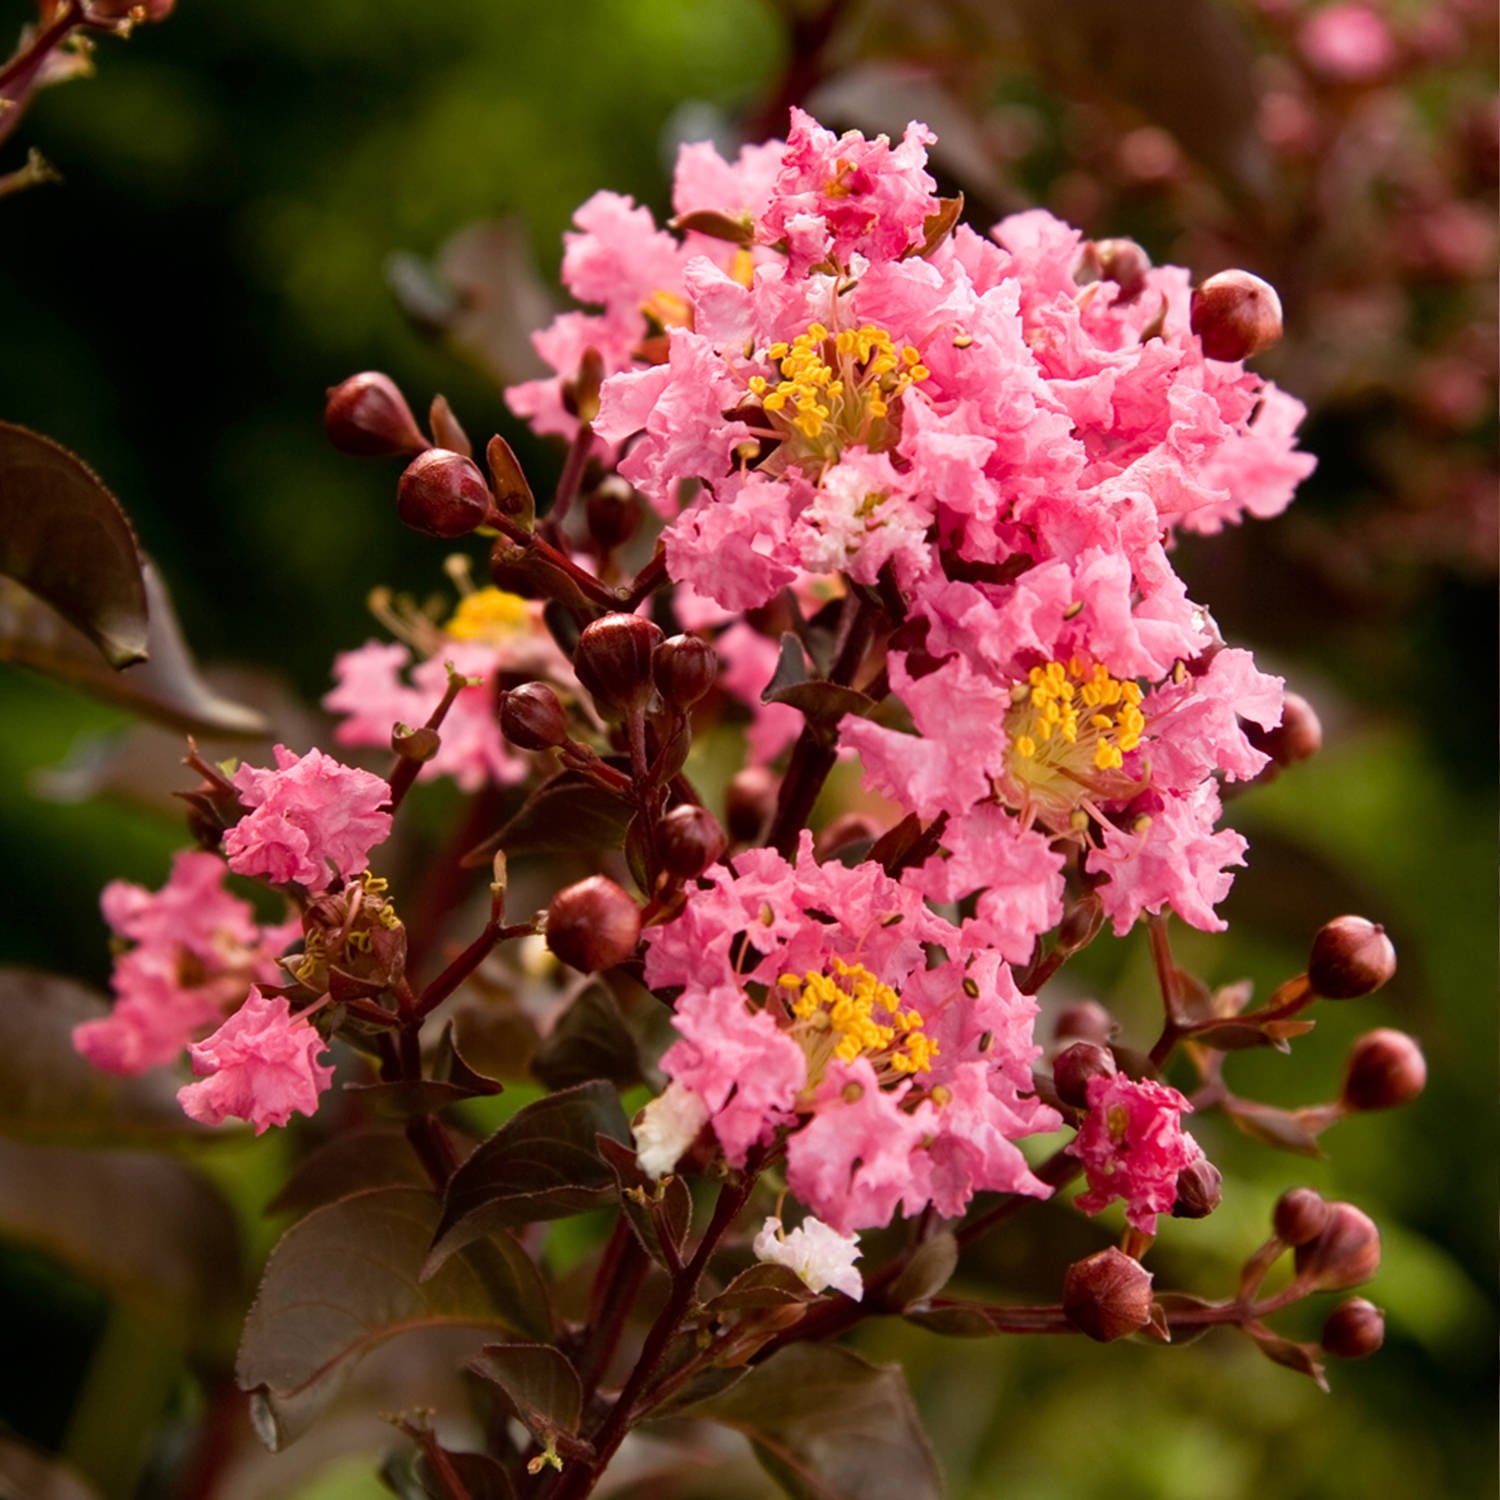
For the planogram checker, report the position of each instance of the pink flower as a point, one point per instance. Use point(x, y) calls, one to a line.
point(310, 813)
point(260, 1065)
point(1132, 1146)
point(808, 1005)
point(198, 949)
point(1348, 43)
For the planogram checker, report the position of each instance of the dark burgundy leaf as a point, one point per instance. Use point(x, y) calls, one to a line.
point(653, 1209)
point(543, 1163)
point(761, 1286)
point(568, 814)
point(349, 1163)
point(927, 1272)
point(1276, 1127)
point(590, 1040)
point(828, 1425)
point(541, 1383)
point(347, 1278)
point(64, 537)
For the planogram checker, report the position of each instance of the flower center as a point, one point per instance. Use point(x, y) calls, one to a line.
point(837, 388)
point(489, 615)
point(850, 1013)
point(1070, 728)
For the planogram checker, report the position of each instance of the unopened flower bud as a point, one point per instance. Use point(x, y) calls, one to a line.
point(689, 840)
point(1298, 737)
point(1385, 1069)
point(1200, 1190)
point(844, 831)
point(1084, 1021)
point(532, 717)
point(593, 925)
point(749, 802)
point(684, 668)
point(1346, 1254)
point(1354, 1330)
point(1075, 1065)
point(1124, 263)
point(613, 659)
point(613, 512)
point(1108, 1295)
point(1351, 956)
point(1237, 315)
point(1300, 1216)
point(443, 494)
point(367, 415)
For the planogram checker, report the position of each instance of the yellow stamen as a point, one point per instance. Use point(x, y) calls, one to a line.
point(488, 614)
point(848, 1013)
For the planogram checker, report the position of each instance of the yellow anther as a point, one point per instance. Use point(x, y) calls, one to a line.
point(489, 615)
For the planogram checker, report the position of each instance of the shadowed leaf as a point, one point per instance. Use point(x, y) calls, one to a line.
point(652, 1209)
point(346, 1279)
point(167, 688)
point(828, 1425)
point(590, 1040)
point(542, 1385)
point(148, 1229)
point(64, 536)
point(541, 1164)
point(564, 815)
point(49, 1094)
point(349, 1163)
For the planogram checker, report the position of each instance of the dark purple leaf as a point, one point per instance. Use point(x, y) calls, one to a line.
point(541, 1383)
point(64, 537)
point(349, 1163)
point(568, 814)
point(347, 1278)
point(590, 1040)
point(654, 1210)
point(543, 1163)
point(828, 1425)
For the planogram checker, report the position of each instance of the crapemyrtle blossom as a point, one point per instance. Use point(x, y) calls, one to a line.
point(196, 950)
point(310, 819)
point(261, 1065)
point(809, 1005)
point(490, 635)
point(1007, 449)
point(819, 1255)
point(1132, 1146)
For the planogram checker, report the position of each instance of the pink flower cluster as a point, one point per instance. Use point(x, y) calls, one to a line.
point(1004, 450)
point(310, 819)
point(1132, 1146)
point(809, 1006)
point(197, 950)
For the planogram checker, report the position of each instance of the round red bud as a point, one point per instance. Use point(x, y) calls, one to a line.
point(749, 801)
point(1351, 956)
point(1354, 1330)
point(1200, 1190)
point(1084, 1021)
point(613, 512)
point(1385, 1069)
point(684, 669)
point(533, 718)
point(1298, 737)
point(613, 659)
point(367, 415)
point(1075, 1065)
point(443, 494)
point(593, 925)
point(844, 831)
point(1107, 1295)
point(1346, 1254)
point(690, 840)
point(1300, 1216)
point(1124, 263)
point(1237, 315)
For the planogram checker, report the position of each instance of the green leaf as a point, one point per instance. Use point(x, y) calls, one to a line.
point(167, 688)
point(347, 1278)
point(49, 1094)
point(541, 1164)
point(65, 538)
point(150, 1230)
point(828, 1425)
point(590, 1040)
point(541, 1383)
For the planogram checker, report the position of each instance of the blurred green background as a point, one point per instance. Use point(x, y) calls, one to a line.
point(237, 183)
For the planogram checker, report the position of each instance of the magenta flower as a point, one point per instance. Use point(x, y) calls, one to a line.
point(260, 1065)
point(1132, 1146)
point(309, 814)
